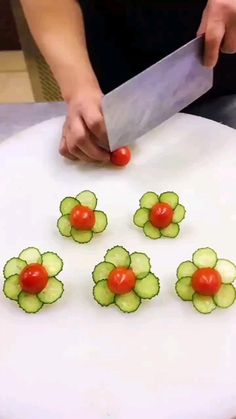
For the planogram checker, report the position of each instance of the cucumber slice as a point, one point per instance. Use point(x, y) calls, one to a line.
point(52, 292)
point(171, 231)
point(227, 270)
point(13, 266)
point(151, 232)
point(29, 302)
point(87, 199)
point(179, 214)
point(52, 263)
point(64, 225)
point(141, 217)
point(12, 288)
point(225, 297)
point(186, 269)
point(147, 287)
point(204, 304)
point(81, 236)
point(128, 303)
point(102, 293)
point(170, 198)
point(140, 264)
point(68, 204)
point(31, 255)
point(205, 258)
point(184, 288)
point(118, 256)
point(101, 222)
point(148, 200)
point(102, 271)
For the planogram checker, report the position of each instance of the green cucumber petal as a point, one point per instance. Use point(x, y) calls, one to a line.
point(171, 231)
point(205, 258)
point(11, 287)
point(140, 264)
point(179, 214)
point(141, 217)
point(151, 232)
point(52, 292)
point(13, 266)
point(118, 256)
point(148, 200)
point(81, 236)
point(52, 263)
point(184, 288)
point(30, 303)
point(128, 303)
point(225, 297)
point(102, 271)
point(67, 205)
point(203, 303)
point(147, 287)
point(64, 225)
point(170, 198)
point(100, 223)
point(186, 269)
point(87, 199)
point(102, 293)
point(31, 255)
point(227, 270)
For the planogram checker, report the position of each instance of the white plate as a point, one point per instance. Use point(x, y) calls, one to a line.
point(76, 360)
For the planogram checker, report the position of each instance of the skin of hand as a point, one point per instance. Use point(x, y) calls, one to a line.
point(218, 25)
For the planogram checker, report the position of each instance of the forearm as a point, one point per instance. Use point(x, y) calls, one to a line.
point(58, 29)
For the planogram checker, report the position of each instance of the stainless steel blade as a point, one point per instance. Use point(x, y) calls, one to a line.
point(156, 94)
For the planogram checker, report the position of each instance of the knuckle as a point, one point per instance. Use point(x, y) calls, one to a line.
point(95, 123)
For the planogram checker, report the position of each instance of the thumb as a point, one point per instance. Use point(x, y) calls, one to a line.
point(202, 27)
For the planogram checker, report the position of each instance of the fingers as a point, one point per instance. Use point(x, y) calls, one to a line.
point(229, 43)
point(202, 27)
point(94, 120)
point(214, 34)
point(63, 150)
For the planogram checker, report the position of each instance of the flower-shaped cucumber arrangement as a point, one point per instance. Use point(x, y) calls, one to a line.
point(206, 281)
point(79, 219)
point(159, 215)
point(30, 279)
point(124, 279)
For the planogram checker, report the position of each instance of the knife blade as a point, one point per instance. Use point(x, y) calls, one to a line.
point(156, 94)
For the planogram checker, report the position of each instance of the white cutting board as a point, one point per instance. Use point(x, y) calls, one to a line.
point(77, 360)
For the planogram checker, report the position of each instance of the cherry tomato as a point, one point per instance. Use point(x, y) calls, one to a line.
point(33, 278)
point(121, 156)
point(161, 215)
point(206, 281)
point(121, 280)
point(82, 218)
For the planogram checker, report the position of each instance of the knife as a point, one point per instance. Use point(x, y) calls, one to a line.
point(156, 94)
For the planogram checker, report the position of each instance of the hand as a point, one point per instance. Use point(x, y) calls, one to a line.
point(84, 128)
point(219, 26)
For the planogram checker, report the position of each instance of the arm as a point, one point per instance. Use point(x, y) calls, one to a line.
point(58, 29)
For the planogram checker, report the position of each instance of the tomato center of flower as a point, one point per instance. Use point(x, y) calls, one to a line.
point(82, 218)
point(161, 215)
point(33, 278)
point(121, 280)
point(206, 281)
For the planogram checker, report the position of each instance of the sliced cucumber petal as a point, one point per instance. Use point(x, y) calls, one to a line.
point(87, 199)
point(30, 303)
point(102, 293)
point(147, 287)
point(52, 263)
point(141, 217)
point(67, 205)
point(128, 303)
point(186, 269)
point(179, 214)
point(148, 200)
point(13, 266)
point(171, 231)
point(140, 264)
point(11, 287)
point(151, 232)
point(225, 297)
point(170, 198)
point(204, 304)
point(184, 288)
point(100, 223)
point(102, 271)
point(118, 256)
point(227, 270)
point(81, 236)
point(31, 255)
point(64, 225)
point(52, 292)
point(205, 258)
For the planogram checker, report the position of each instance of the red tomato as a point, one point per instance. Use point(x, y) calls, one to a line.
point(161, 215)
point(33, 278)
point(121, 280)
point(206, 281)
point(121, 156)
point(82, 218)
